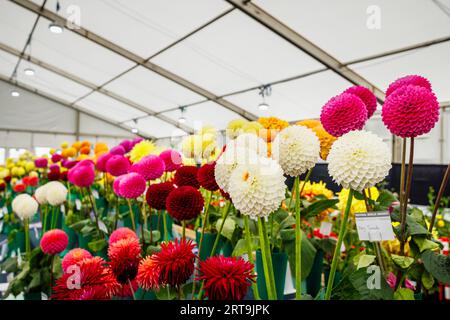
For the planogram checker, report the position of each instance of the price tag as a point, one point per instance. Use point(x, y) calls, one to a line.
point(78, 204)
point(63, 208)
point(95, 194)
point(325, 228)
point(102, 226)
point(374, 226)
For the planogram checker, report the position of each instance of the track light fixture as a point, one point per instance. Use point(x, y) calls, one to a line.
point(264, 91)
point(55, 26)
point(182, 118)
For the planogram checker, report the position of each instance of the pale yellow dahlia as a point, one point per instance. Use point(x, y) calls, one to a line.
point(257, 190)
point(297, 150)
point(234, 128)
point(252, 127)
point(249, 141)
point(358, 160)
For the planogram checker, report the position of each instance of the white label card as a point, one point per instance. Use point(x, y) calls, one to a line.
point(374, 226)
point(95, 194)
point(78, 204)
point(102, 226)
point(325, 228)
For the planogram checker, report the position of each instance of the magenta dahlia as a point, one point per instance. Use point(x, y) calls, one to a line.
point(117, 165)
point(172, 159)
point(131, 185)
point(366, 96)
point(151, 167)
point(408, 80)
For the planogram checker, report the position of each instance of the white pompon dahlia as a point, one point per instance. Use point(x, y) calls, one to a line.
point(41, 194)
point(24, 206)
point(228, 161)
point(358, 160)
point(56, 193)
point(250, 141)
point(257, 190)
point(297, 149)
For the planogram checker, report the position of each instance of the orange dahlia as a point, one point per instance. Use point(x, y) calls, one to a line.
point(272, 126)
point(148, 274)
point(309, 123)
point(326, 139)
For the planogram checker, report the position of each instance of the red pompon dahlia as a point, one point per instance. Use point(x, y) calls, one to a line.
point(120, 234)
point(410, 111)
point(366, 96)
point(205, 176)
point(117, 165)
point(19, 187)
point(186, 176)
point(124, 256)
point(93, 280)
point(73, 257)
point(184, 203)
point(343, 113)
point(148, 274)
point(157, 195)
point(54, 241)
point(226, 278)
point(408, 80)
point(175, 262)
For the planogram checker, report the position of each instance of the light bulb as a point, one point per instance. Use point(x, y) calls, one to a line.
point(181, 120)
point(134, 130)
point(263, 106)
point(55, 28)
point(29, 72)
point(15, 93)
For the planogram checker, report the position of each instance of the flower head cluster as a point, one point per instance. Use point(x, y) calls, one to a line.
point(54, 241)
point(151, 167)
point(82, 174)
point(130, 185)
point(125, 256)
point(24, 206)
point(157, 194)
point(73, 257)
point(184, 203)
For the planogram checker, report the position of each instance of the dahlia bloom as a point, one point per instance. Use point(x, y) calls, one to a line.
point(24, 206)
point(226, 278)
point(127, 145)
point(309, 123)
point(186, 176)
point(54, 241)
point(148, 274)
point(131, 185)
point(96, 282)
point(118, 150)
point(151, 167)
point(82, 174)
point(366, 96)
point(41, 162)
point(120, 234)
point(117, 165)
point(19, 187)
point(297, 149)
point(205, 176)
point(56, 193)
point(172, 159)
point(73, 257)
point(235, 128)
point(359, 160)
point(414, 80)
point(124, 256)
point(252, 127)
point(357, 206)
point(142, 149)
point(343, 113)
point(175, 262)
point(116, 185)
point(326, 141)
point(272, 126)
point(102, 160)
point(410, 111)
point(157, 194)
point(257, 189)
point(56, 157)
point(184, 203)
point(40, 194)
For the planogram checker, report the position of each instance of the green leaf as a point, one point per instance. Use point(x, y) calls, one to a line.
point(359, 279)
point(35, 281)
point(10, 265)
point(427, 280)
point(358, 195)
point(404, 294)
point(241, 246)
point(280, 215)
point(424, 244)
point(228, 227)
point(153, 249)
point(402, 261)
point(308, 254)
point(166, 293)
point(438, 265)
point(97, 245)
point(365, 260)
point(287, 234)
point(156, 236)
point(318, 206)
point(385, 200)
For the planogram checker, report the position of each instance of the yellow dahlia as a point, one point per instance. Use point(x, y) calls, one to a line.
point(142, 149)
point(234, 128)
point(326, 141)
point(357, 205)
point(252, 127)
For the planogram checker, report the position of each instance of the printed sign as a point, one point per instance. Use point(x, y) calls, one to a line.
point(374, 226)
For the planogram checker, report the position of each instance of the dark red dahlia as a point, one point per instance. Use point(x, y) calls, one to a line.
point(186, 176)
point(157, 195)
point(205, 176)
point(124, 256)
point(93, 280)
point(225, 194)
point(226, 278)
point(184, 203)
point(175, 262)
point(53, 175)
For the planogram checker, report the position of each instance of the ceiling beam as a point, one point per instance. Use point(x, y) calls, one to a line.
point(66, 104)
point(64, 133)
point(92, 86)
point(305, 45)
point(135, 58)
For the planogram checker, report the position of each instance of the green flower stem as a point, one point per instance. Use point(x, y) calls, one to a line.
point(132, 290)
point(133, 223)
point(54, 218)
point(337, 250)
point(248, 240)
point(44, 222)
point(94, 208)
point(166, 231)
point(298, 236)
point(183, 234)
point(26, 226)
point(267, 260)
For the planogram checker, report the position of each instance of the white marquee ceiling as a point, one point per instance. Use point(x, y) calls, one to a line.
point(217, 50)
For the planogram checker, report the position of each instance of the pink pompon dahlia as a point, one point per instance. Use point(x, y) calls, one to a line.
point(366, 96)
point(82, 174)
point(157, 194)
point(120, 234)
point(54, 241)
point(408, 80)
point(172, 159)
point(41, 162)
point(130, 185)
point(175, 262)
point(184, 203)
point(118, 150)
point(186, 176)
point(116, 185)
point(151, 167)
point(343, 113)
point(102, 160)
point(148, 274)
point(410, 111)
point(205, 176)
point(124, 256)
point(226, 278)
point(127, 145)
point(56, 157)
point(73, 257)
point(95, 281)
point(117, 165)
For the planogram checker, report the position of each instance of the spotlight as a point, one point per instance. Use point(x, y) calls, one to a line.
point(263, 106)
point(55, 28)
point(264, 91)
point(29, 72)
point(134, 130)
point(15, 93)
point(181, 119)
